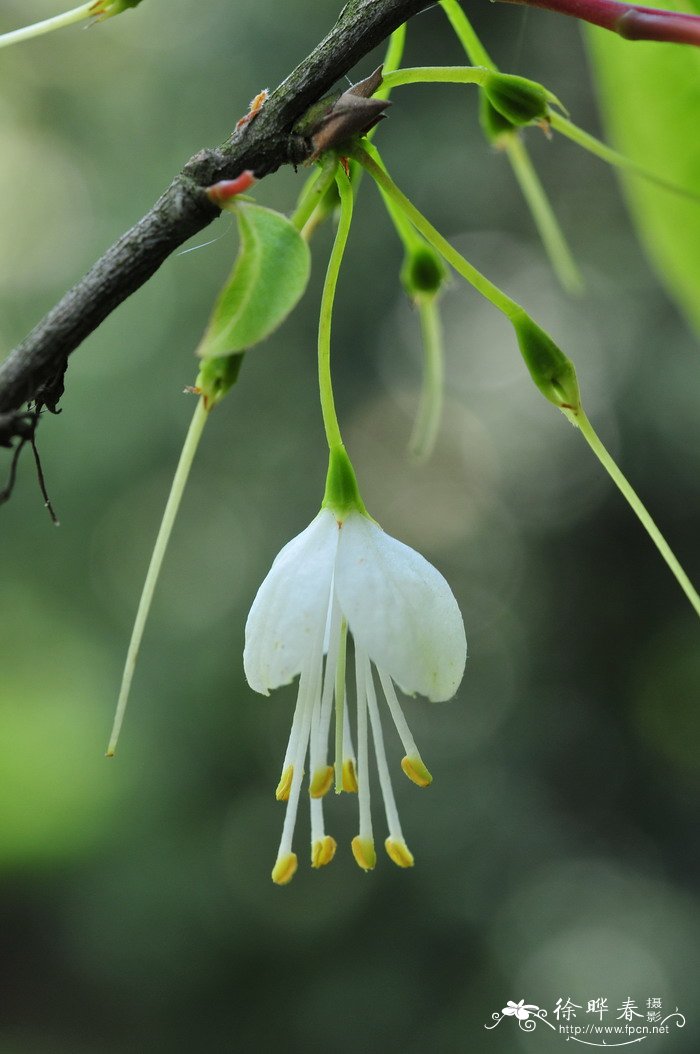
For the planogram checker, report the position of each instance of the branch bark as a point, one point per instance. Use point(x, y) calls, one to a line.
point(184, 209)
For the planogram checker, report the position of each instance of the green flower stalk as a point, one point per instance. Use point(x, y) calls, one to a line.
point(503, 135)
point(269, 276)
point(99, 10)
point(344, 576)
point(427, 422)
point(549, 367)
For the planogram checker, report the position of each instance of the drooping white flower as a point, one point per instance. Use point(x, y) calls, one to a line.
point(344, 574)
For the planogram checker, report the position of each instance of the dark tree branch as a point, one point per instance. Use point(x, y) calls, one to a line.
point(184, 209)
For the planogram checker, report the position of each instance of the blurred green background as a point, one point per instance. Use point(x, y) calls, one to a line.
point(555, 850)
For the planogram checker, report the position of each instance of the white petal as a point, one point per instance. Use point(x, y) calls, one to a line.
point(291, 606)
point(400, 610)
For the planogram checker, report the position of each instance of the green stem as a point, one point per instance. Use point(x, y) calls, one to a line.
point(325, 383)
point(635, 502)
point(476, 52)
point(427, 421)
point(437, 75)
point(194, 434)
point(313, 193)
point(606, 153)
point(407, 233)
point(392, 61)
point(546, 222)
point(510, 308)
point(556, 247)
point(68, 18)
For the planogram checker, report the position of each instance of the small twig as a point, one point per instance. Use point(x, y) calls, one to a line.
point(42, 481)
point(262, 145)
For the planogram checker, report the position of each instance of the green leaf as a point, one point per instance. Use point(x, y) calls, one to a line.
point(650, 95)
point(267, 281)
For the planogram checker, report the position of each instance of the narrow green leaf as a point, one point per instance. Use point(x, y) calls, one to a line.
point(267, 281)
point(650, 95)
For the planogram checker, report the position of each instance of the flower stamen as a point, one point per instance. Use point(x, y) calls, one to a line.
point(412, 764)
point(322, 773)
point(309, 687)
point(349, 766)
point(363, 843)
point(395, 845)
point(322, 845)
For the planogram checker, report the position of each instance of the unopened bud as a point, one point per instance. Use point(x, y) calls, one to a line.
point(217, 376)
point(497, 128)
point(550, 369)
point(519, 100)
point(423, 272)
point(222, 192)
point(103, 9)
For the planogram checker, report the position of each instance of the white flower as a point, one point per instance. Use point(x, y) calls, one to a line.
point(343, 573)
point(521, 1010)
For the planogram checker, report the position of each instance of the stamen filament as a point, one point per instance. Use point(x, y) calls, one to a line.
point(392, 813)
point(282, 792)
point(308, 689)
point(341, 714)
point(320, 777)
point(329, 683)
point(349, 773)
point(362, 750)
point(409, 743)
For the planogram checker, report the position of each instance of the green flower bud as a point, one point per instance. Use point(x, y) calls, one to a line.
point(519, 100)
point(494, 125)
point(109, 8)
point(423, 272)
point(217, 376)
point(550, 369)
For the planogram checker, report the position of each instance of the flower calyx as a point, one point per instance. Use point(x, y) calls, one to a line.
point(519, 100)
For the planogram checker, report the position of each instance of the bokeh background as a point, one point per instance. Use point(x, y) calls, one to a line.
point(555, 850)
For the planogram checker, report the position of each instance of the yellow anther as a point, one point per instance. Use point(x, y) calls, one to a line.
point(321, 782)
point(416, 771)
point(285, 784)
point(363, 851)
point(284, 869)
point(349, 777)
point(323, 851)
point(399, 853)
